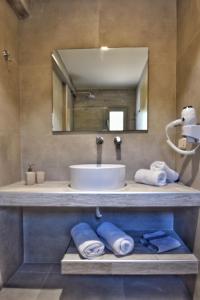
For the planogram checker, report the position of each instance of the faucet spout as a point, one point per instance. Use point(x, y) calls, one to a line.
point(99, 142)
point(117, 142)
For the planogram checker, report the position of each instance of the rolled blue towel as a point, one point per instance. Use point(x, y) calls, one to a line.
point(86, 240)
point(116, 240)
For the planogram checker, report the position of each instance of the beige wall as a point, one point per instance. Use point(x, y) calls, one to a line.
point(85, 24)
point(10, 219)
point(9, 97)
point(188, 83)
point(188, 77)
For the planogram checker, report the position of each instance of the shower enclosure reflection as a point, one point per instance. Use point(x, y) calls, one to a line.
point(100, 89)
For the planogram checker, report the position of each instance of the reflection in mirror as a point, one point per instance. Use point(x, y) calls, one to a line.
point(100, 89)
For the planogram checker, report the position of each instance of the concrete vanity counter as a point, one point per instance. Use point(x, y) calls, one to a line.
point(59, 194)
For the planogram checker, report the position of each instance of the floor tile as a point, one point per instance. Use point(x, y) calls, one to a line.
point(58, 287)
point(27, 280)
point(154, 288)
point(19, 294)
point(44, 282)
point(51, 294)
point(35, 268)
point(55, 269)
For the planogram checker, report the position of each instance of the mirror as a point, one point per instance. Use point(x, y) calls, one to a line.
point(102, 89)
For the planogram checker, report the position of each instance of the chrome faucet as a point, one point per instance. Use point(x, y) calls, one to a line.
point(99, 140)
point(117, 140)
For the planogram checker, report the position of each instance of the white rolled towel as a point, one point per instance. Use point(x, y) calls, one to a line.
point(172, 175)
point(115, 239)
point(151, 177)
point(86, 240)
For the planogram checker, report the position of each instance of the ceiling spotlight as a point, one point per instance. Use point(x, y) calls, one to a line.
point(104, 48)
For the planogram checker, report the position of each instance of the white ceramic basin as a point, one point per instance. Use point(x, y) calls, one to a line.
point(94, 177)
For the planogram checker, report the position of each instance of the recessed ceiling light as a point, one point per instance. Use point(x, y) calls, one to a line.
point(104, 48)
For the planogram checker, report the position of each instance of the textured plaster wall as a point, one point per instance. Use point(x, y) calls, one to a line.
point(9, 97)
point(188, 74)
point(10, 219)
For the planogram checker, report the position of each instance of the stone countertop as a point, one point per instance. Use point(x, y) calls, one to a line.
point(59, 194)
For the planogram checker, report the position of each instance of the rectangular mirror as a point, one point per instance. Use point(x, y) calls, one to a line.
point(102, 89)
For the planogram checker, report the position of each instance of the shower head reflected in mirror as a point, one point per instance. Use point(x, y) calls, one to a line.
point(89, 95)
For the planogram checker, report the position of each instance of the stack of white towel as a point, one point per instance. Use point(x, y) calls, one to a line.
point(89, 244)
point(159, 174)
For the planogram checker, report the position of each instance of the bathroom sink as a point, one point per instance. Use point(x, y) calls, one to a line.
point(93, 177)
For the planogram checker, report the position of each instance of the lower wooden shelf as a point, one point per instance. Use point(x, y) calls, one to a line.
point(140, 262)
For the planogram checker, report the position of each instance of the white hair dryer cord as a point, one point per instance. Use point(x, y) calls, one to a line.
point(173, 124)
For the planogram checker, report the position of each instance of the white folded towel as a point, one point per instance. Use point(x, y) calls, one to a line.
point(151, 177)
point(172, 175)
point(116, 240)
point(86, 240)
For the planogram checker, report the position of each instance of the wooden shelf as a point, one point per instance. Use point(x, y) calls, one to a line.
point(141, 262)
point(59, 194)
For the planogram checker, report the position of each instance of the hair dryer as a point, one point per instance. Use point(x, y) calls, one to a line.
point(190, 130)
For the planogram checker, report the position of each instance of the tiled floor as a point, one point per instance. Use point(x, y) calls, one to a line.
point(44, 282)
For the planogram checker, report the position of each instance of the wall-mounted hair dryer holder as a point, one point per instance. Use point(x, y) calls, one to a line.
point(192, 133)
point(190, 130)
